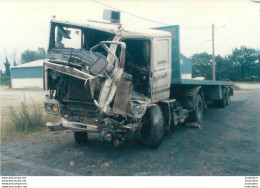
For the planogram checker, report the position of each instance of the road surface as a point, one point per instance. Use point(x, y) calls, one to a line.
point(227, 144)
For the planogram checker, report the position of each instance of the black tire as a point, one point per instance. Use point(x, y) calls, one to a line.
point(223, 101)
point(228, 97)
point(197, 114)
point(81, 137)
point(152, 132)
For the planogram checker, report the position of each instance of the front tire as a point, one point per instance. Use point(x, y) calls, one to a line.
point(152, 132)
point(81, 137)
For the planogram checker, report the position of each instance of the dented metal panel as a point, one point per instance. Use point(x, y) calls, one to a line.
point(123, 95)
point(68, 70)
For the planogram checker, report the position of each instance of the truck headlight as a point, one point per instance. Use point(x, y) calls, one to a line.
point(51, 107)
point(48, 107)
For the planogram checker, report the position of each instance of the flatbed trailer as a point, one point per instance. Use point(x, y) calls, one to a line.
point(205, 82)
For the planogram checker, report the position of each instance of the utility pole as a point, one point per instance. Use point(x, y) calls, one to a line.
point(213, 55)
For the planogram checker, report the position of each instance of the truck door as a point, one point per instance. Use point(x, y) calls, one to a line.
point(160, 69)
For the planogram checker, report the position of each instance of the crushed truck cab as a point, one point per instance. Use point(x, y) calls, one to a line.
point(106, 79)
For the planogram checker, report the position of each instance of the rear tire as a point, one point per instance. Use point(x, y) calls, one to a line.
point(223, 101)
point(228, 97)
point(153, 129)
point(81, 137)
point(197, 114)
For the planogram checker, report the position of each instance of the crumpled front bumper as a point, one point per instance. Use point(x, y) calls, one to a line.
point(76, 126)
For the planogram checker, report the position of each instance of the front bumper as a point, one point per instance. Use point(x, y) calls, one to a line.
point(63, 124)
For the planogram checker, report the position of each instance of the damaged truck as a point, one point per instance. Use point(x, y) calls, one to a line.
point(106, 79)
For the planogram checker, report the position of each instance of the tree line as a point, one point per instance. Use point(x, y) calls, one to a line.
point(242, 65)
point(26, 57)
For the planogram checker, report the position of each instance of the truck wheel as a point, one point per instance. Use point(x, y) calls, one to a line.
point(197, 114)
point(81, 137)
point(152, 132)
point(228, 97)
point(223, 101)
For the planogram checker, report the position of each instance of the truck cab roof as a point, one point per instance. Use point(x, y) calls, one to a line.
point(124, 32)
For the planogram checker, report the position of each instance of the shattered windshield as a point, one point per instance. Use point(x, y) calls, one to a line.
point(76, 37)
point(68, 37)
point(81, 47)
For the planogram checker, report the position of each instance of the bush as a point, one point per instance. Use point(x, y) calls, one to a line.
point(5, 80)
point(25, 119)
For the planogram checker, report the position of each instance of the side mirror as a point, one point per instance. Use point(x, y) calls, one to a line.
point(98, 66)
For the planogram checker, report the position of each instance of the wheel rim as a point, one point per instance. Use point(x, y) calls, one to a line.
point(228, 98)
point(225, 98)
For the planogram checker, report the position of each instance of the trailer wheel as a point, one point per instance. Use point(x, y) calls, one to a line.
point(228, 97)
point(152, 132)
point(81, 137)
point(197, 114)
point(223, 101)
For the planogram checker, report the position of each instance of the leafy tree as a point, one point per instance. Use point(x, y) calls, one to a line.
point(2, 75)
point(30, 55)
point(245, 64)
point(42, 52)
point(7, 67)
point(242, 65)
point(224, 69)
point(6, 76)
point(202, 65)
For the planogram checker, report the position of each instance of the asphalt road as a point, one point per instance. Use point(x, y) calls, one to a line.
point(227, 144)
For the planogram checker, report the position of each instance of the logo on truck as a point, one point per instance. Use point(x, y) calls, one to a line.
point(161, 62)
point(161, 77)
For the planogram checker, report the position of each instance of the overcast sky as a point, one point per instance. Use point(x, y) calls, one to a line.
point(25, 24)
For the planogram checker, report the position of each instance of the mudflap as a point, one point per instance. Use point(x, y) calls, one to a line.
point(55, 126)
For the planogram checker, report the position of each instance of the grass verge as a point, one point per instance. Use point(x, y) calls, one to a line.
point(25, 119)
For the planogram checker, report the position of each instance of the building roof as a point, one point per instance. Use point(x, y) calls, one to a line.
point(37, 63)
point(186, 64)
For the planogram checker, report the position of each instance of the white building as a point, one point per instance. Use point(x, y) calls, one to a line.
point(28, 75)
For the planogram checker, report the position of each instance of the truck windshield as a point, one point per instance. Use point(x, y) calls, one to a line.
point(76, 37)
point(75, 42)
point(68, 37)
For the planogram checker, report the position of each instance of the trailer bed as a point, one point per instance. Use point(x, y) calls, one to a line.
point(205, 82)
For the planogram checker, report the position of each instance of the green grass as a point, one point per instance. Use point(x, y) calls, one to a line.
point(24, 120)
